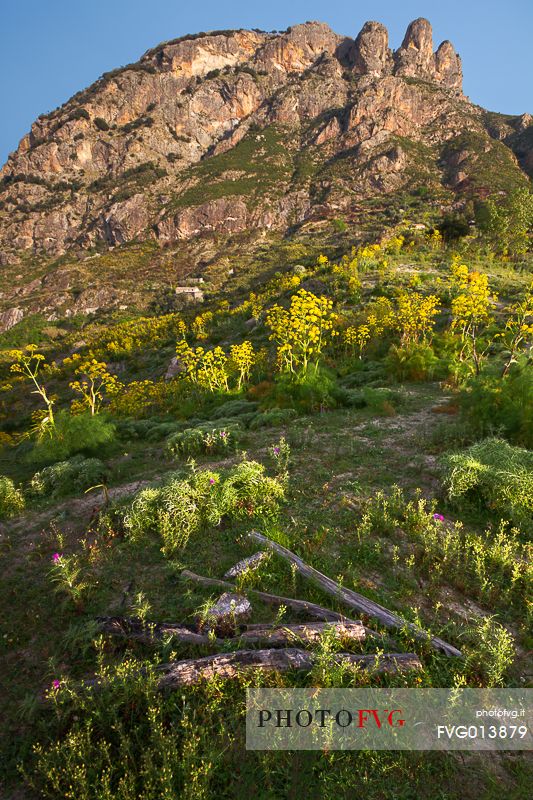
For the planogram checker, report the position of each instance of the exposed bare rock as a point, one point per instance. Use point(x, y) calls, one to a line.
point(218, 134)
point(371, 54)
point(174, 368)
point(10, 318)
point(230, 611)
point(124, 221)
point(448, 69)
point(524, 122)
point(298, 48)
point(414, 57)
point(246, 563)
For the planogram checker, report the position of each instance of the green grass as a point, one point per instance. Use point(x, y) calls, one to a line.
point(340, 462)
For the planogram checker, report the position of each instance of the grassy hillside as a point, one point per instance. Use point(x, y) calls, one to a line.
point(368, 407)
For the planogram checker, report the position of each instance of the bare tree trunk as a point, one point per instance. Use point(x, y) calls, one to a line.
point(354, 600)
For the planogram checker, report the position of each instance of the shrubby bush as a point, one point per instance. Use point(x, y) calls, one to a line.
point(80, 433)
point(495, 474)
point(11, 499)
point(309, 391)
point(272, 418)
point(361, 373)
point(183, 505)
point(66, 477)
point(151, 430)
point(234, 408)
point(491, 404)
point(206, 439)
point(412, 362)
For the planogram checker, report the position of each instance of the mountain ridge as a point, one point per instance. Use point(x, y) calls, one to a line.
point(222, 133)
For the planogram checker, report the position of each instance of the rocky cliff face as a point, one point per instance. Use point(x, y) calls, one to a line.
point(232, 130)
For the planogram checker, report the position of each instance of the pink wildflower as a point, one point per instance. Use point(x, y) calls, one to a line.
point(56, 557)
point(438, 517)
point(56, 684)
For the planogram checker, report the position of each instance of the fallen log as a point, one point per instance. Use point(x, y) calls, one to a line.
point(354, 600)
point(135, 629)
point(300, 606)
point(309, 632)
point(246, 564)
point(152, 633)
point(230, 665)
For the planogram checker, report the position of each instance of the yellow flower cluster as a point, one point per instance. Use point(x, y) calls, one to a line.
point(242, 360)
point(200, 326)
point(302, 331)
point(95, 381)
point(357, 336)
point(473, 303)
point(395, 244)
point(143, 398)
point(212, 369)
point(415, 315)
point(136, 334)
point(435, 239)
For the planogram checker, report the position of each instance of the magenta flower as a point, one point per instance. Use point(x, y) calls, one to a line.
point(56, 557)
point(276, 451)
point(223, 434)
point(211, 481)
point(438, 517)
point(56, 684)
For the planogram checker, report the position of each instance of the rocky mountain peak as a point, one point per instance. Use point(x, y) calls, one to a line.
point(415, 57)
point(226, 132)
point(371, 54)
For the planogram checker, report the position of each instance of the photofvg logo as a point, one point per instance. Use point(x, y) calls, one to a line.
point(389, 719)
point(324, 717)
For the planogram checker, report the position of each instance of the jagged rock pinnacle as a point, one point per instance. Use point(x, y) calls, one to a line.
point(371, 53)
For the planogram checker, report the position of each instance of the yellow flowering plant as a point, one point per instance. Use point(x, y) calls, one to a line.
point(471, 312)
point(242, 358)
point(93, 383)
point(302, 331)
point(29, 363)
point(415, 315)
point(518, 329)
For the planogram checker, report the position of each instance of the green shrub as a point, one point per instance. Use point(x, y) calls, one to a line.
point(492, 404)
point(494, 474)
point(272, 418)
point(151, 430)
point(81, 433)
point(204, 439)
point(311, 391)
point(184, 505)
point(234, 408)
point(119, 742)
point(65, 477)
point(11, 498)
point(414, 362)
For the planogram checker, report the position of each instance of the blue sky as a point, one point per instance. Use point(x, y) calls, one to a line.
point(53, 48)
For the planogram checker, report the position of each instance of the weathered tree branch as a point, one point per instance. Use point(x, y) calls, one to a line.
point(230, 665)
point(151, 633)
point(354, 600)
